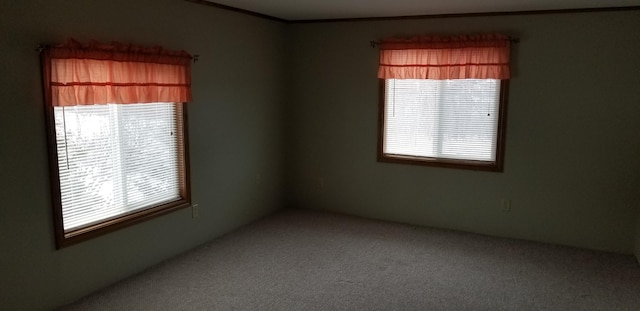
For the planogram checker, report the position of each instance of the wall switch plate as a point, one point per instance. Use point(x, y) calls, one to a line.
point(195, 211)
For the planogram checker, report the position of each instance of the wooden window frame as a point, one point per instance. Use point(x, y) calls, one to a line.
point(64, 239)
point(493, 166)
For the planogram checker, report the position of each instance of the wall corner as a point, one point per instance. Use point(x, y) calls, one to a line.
point(636, 248)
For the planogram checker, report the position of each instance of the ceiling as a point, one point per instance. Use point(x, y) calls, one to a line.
point(297, 10)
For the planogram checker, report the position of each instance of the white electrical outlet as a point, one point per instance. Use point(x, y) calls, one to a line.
point(506, 205)
point(195, 211)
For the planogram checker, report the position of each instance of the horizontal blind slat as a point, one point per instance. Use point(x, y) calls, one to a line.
point(116, 159)
point(454, 119)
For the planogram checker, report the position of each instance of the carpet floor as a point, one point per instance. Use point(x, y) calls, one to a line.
point(309, 260)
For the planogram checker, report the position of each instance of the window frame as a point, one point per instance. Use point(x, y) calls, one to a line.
point(178, 82)
point(82, 234)
point(494, 166)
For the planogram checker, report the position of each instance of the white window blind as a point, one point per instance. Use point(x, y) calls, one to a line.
point(116, 159)
point(451, 119)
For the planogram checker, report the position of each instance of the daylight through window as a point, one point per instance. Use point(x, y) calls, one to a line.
point(116, 123)
point(452, 119)
point(443, 101)
point(116, 159)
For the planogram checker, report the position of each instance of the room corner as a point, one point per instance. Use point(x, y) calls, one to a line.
point(637, 245)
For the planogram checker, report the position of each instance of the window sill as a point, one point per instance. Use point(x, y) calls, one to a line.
point(493, 166)
point(89, 232)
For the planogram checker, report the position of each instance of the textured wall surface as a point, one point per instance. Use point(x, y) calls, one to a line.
point(235, 127)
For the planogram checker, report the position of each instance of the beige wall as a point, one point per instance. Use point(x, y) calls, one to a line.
point(571, 168)
point(235, 125)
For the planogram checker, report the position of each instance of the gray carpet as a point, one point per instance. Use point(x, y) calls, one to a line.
point(306, 260)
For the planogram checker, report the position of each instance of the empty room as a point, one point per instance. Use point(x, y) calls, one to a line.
point(320, 155)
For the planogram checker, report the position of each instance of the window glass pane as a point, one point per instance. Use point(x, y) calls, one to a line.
point(469, 114)
point(452, 119)
point(115, 159)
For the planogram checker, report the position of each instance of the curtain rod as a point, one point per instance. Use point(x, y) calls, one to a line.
point(375, 43)
point(195, 57)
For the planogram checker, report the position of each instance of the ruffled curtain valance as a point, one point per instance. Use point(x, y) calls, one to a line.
point(96, 73)
point(443, 58)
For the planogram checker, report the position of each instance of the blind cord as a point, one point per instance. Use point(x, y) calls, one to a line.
point(66, 144)
point(394, 98)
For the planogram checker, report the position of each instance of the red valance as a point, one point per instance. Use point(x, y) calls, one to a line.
point(96, 73)
point(443, 58)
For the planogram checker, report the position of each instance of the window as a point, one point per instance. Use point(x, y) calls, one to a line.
point(117, 133)
point(443, 101)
